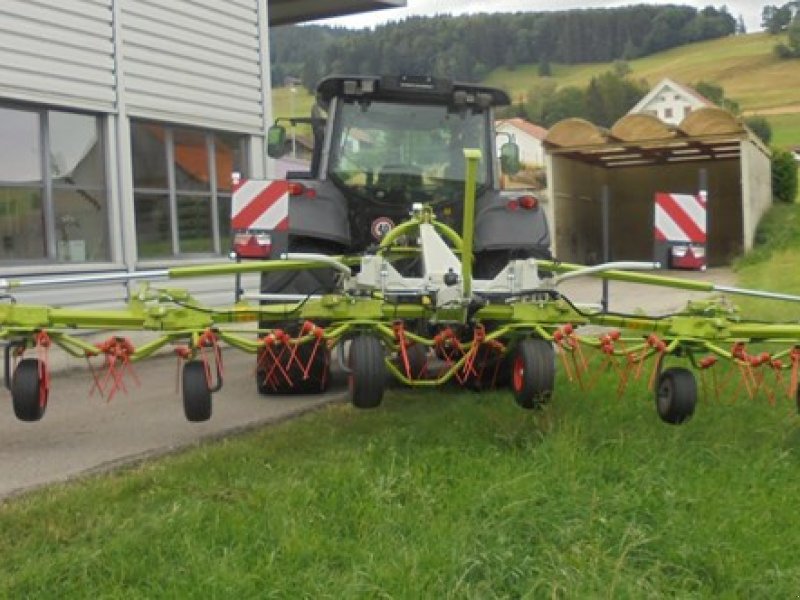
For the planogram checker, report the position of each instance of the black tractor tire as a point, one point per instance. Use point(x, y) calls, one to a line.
point(307, 282)
point(533, 372)
point(27, 396)
point(196, 393)
point(367, 377)
point(676, 395)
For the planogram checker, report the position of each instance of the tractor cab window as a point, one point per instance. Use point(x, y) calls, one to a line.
point(383, 147)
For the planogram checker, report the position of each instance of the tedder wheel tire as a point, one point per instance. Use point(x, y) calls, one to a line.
point(27, 395)
point(676, 395)
point(196, 394)
point(367, 377)
point(533, 371)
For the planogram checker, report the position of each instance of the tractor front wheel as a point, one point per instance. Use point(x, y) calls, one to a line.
point(29, 393)
point(367, 377)
point(196, 393)
point(676, 395)
point(533, 373)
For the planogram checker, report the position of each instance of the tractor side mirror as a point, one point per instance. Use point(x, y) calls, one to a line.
point(509, 158)
point(276, 141)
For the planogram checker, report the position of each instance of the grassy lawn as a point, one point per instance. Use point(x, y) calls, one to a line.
point(447, 495)
point(436, 495)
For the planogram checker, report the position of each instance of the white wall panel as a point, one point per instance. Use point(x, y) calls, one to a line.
point(193, 62)
point(58, 52)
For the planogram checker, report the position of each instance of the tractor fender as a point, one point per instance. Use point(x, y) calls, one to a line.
point(320, 213)
point(499, 227)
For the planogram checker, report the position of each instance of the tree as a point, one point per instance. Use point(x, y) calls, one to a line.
point(776, 19)
point(716, 94)
point(544, 68)
point(741, 28)
point(761, 127)
point(791, 49)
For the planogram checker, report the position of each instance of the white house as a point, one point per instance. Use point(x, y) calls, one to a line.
point(670, 101)
point(528, 137)
point(122, 120)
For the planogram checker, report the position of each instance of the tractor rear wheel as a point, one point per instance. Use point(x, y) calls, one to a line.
point(196, 393)
point(28, 393)
point(533, 373)
point(676, 395)
point(367, 377)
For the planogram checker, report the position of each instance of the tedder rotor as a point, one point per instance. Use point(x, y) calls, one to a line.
point(410, 308)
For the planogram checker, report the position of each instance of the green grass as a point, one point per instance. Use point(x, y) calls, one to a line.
point(772, 265)
point(785, 129)
point(435, 496)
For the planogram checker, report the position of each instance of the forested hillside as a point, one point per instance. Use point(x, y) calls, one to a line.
point(469, 47)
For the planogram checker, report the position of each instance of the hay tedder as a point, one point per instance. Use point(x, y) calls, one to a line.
point(411, 308)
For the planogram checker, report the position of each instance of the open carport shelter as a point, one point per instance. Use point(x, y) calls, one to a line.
point(710, 151)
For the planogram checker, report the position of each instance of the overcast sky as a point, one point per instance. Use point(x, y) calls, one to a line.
point(749, 9)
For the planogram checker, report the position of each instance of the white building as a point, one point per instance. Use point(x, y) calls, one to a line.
point(671, 102)
point(122, 120)
point(528, 137)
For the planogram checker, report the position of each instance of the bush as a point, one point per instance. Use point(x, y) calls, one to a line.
point(784, 176)
point(761, 127)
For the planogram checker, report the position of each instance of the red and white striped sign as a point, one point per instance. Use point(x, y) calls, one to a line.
point(680, 218)
point(260, 204)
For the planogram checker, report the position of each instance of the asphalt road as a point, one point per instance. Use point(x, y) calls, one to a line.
point(81, 434)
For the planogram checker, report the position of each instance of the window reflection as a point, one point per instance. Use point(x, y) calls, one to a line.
point(153, 237)
point(74, 193)
point(229, 156)
point(194, 224)
point(76, 151)
point(20, 147)
point(21, 224)
point(183, 197)
point(191, 161)
point(149, 153)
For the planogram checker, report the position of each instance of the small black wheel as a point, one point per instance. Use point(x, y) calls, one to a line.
point(367, 377)
point(533, 372)
point(676, 395)
point(28, 394)
point(196, 393)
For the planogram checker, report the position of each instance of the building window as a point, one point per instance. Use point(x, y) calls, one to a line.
point(53, 192)
point(686, 111)
point(667, 113)
point(182, 188)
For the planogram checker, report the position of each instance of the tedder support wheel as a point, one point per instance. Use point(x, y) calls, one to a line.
point(196, 393)
point(367, 377)
point(28, 394)
point(676, 395)
point(533, 371)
